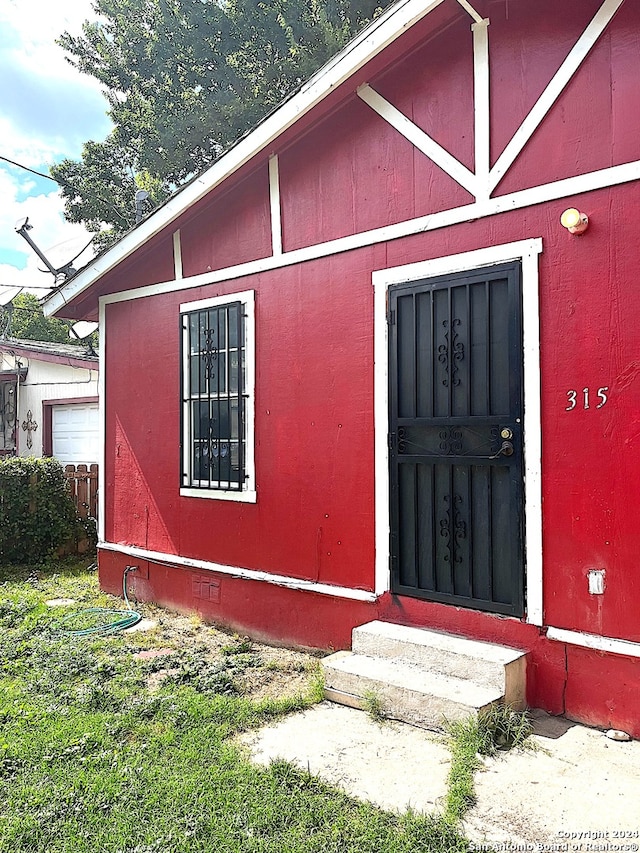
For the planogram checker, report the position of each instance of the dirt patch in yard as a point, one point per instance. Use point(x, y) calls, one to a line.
point(180, 643)
point(283, 672)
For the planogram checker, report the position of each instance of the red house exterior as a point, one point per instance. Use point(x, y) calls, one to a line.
point(359, 368)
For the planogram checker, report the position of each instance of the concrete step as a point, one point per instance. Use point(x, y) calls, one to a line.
point(406, 691)
point(424, 677)
point(489, 665)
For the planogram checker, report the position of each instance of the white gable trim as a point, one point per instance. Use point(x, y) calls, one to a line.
point(469, 8)
point(368, 44)
point(274, 203)
point(527, 252)
point(362, 49)
point(482, 181)
point(567, 188)
point(422, 141)
point(177, 255)
point(481, 102)
point(558, 83)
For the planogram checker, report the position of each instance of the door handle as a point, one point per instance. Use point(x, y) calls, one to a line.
point(506, 449)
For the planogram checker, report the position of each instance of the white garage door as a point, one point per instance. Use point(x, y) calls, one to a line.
point(75, 433)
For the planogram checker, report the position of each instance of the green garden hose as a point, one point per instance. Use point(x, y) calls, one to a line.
point(104, 621)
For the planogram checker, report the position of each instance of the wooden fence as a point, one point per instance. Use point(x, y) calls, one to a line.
point(83, 484)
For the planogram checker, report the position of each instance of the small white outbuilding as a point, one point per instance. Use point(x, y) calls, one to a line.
point(48, 401)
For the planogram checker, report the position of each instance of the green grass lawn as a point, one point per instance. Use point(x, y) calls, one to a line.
point(101, 752)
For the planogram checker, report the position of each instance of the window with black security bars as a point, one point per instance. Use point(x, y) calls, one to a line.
point(213, 400)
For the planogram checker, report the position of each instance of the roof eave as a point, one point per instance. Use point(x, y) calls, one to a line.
point(360, 50)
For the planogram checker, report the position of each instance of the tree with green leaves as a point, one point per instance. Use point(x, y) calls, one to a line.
point(29, 323)
point(184, 79)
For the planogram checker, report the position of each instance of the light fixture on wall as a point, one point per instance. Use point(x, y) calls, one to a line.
point(574, 221)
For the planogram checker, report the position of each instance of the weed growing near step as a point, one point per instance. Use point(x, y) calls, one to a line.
point(372, 705)
point(498, 728)
point(93, 758)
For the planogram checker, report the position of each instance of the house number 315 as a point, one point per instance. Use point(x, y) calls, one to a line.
point(572, 398)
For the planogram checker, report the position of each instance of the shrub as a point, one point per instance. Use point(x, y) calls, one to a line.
point(37, 513)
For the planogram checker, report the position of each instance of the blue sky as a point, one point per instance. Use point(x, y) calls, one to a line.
point(47, 110)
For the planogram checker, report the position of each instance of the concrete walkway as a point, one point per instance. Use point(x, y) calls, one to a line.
point(576, 792)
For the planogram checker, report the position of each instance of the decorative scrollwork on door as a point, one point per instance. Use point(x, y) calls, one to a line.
point(445, 528)
point(451, 352)
point(460, 529)
point(453, 528)
point(451, 441)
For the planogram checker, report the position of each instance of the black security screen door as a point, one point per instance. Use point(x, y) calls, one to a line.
point(456, 439)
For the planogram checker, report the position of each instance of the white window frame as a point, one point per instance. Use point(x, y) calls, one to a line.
point(248, 493)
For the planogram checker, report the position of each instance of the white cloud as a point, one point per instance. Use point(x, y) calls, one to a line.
point(39, 18)
point(36, 24)
point(23, 147)
point(47, 110)
point(57, 239)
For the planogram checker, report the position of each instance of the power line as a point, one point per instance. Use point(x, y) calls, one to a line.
point(27, 169)
point(31, 287)
point(114, 209)
point(25, 310)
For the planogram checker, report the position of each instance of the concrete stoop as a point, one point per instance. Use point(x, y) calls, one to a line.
point(424, 677)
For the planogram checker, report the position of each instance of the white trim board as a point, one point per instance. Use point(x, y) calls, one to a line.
point(102, 345)
point(525, 251)
point(595, 641)
point(469, 8)
point(421, 140)
point(481, 107)
point(601, 179)
point(240, 573)
point(274, 204)
point(177, 255)
point(556, 87)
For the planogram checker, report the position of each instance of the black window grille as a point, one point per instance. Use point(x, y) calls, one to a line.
point(213, 398)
